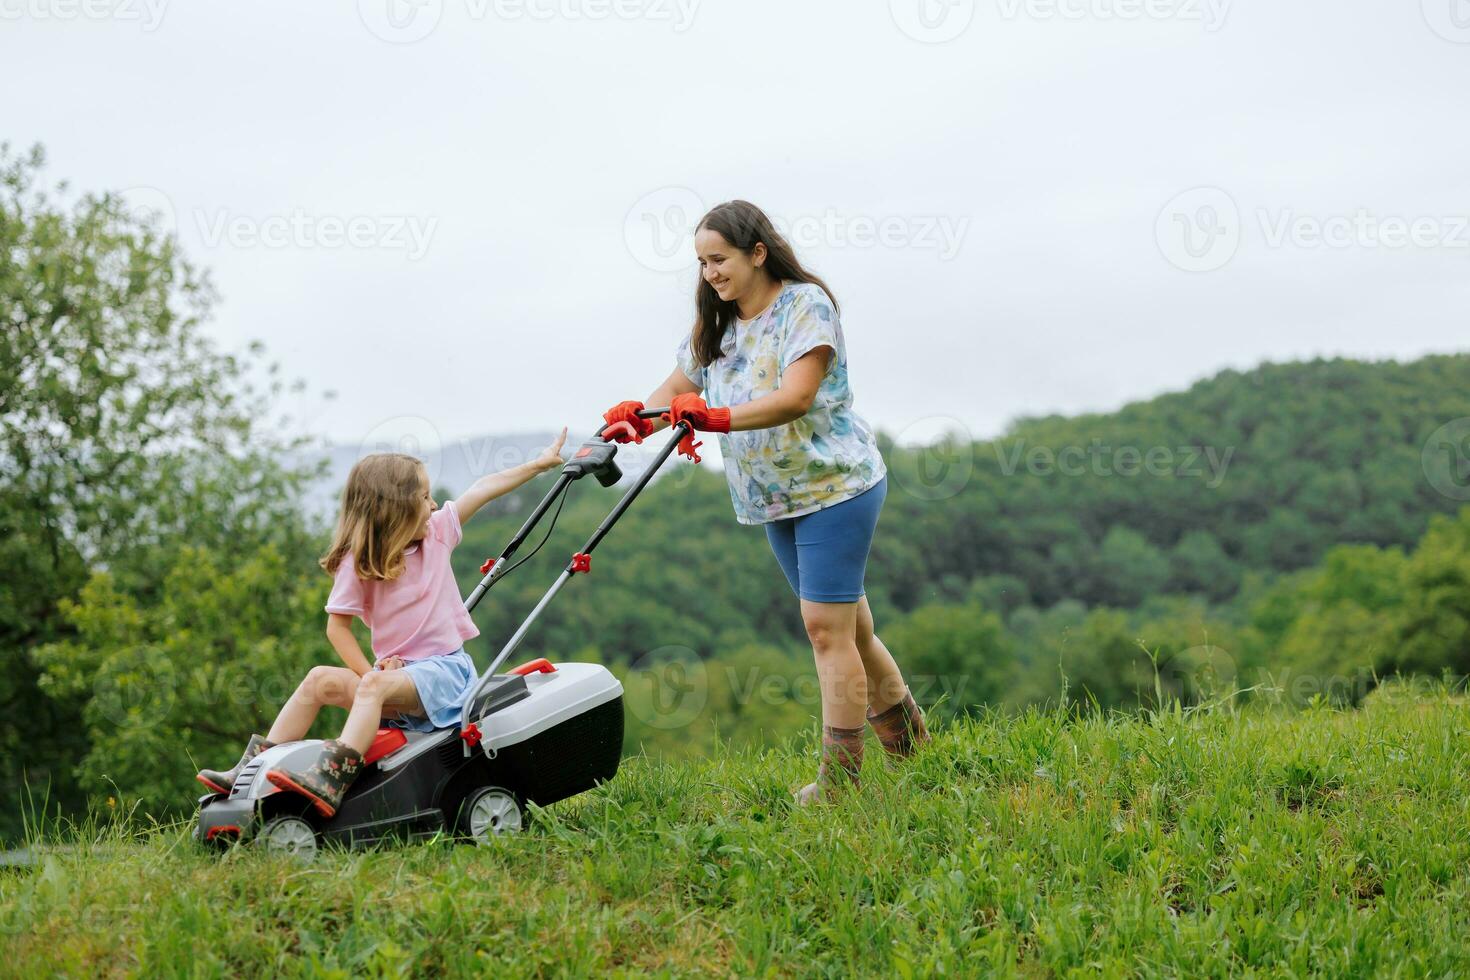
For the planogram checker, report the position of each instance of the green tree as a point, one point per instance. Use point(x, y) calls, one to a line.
point(1200, 566)
point(124, 435)
point(178, 682)
point(1431, 628)
point(1129, 569)
point(958, 656)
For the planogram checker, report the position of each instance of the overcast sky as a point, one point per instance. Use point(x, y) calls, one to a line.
point(474, 212)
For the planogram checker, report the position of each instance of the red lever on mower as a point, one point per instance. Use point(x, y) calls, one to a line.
point(624, 428)
point(539, 666)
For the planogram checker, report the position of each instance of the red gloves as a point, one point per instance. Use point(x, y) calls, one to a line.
point(623, 423)
point(692, 409)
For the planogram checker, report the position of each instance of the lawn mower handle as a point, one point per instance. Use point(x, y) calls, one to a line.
point(497, 565)
point(647, 413)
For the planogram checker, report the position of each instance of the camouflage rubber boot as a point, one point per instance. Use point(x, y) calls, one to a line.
point(222, 782)
point(842, 761)
point(900, 729)
point(326, 779)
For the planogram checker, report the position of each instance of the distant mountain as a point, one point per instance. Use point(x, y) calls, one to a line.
point(456, 465)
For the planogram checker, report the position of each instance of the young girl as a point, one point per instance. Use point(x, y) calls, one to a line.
point(390, 562)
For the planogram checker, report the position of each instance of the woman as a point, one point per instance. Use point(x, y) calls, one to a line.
point(767, 349)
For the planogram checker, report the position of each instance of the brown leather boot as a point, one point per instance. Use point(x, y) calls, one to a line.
point(222, 781)
point(901, 728)
point(326, 779)
point(842, 762)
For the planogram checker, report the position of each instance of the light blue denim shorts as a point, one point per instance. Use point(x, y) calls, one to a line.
point(442, 682)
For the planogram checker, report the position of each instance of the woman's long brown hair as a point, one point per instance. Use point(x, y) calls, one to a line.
point(744, 226)
point(380, 515)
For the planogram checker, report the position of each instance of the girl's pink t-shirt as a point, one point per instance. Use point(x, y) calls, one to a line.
point(420, 613)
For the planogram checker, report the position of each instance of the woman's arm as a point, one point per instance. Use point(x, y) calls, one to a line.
point(799, 384)
point(677, 383)
point(339, 634)
point(493, 485)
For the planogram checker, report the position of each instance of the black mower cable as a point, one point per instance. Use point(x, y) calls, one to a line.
point(549, 528)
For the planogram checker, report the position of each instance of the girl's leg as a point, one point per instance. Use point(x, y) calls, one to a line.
point(323, 685)
point(378, 692)
point(885, 681)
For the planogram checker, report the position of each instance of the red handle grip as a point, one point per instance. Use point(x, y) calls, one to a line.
point(540, 666)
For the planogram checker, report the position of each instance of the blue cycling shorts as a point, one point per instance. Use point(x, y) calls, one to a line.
point(825, 553)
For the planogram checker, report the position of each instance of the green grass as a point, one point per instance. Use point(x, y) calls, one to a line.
point(1208, 843)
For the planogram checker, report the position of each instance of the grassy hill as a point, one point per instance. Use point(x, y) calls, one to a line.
point(1201, 843)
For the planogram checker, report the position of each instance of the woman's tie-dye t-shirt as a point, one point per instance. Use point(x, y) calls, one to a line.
point(823, 458)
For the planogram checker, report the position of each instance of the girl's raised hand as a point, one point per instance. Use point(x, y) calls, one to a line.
point(550, 457)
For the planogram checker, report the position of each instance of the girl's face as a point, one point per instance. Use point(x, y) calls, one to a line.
point(733, 274)
point(426, 506)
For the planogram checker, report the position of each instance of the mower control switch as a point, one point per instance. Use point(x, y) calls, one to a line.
point(595, 457)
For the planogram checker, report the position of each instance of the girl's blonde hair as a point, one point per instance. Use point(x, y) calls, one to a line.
point(380, 515)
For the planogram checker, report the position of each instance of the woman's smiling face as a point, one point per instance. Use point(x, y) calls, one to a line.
point(730, 272)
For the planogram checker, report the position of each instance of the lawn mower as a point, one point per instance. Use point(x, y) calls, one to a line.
point(539, 733)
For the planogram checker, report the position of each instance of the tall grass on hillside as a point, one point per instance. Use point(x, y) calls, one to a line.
point(1207, 842)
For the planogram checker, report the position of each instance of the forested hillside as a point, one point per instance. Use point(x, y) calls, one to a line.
point(1245, 474)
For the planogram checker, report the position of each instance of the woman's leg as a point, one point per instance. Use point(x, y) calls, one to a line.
point(885, 682)
point(831, 555)
point(378, 692)
point(323, 685)
point(832, 629)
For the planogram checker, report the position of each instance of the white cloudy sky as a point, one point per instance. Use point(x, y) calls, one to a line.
point(1023, 159)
